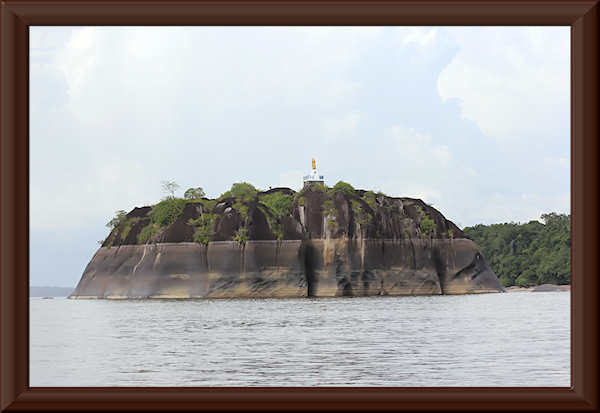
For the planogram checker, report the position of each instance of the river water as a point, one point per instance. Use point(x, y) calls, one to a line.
point(511, 339)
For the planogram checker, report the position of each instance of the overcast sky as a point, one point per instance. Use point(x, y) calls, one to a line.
point(473, 120)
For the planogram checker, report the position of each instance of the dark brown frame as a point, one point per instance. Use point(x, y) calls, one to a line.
point(17, 16)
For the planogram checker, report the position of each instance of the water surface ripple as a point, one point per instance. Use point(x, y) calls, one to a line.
point(511, 339)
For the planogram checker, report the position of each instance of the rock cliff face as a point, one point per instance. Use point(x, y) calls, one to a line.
point(326, 243)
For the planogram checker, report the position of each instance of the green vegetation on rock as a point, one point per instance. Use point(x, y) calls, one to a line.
point(203, 228)
point(370, 198)
point(241, 190)
point(315, 188)
point(208, 204)
point(361, 216)
point(275, 206)
point(243, 193)
point(194, 194)
point(119, 218)
point(127, 225)
point(329, 207)
point(427, 225)
point(279, 204)
point(241, 236)
point(147, 232)
point(527, 254)
point(125, 231)
point(167, 211)
point(242, 208)
point(344, 187)
point(275, 225)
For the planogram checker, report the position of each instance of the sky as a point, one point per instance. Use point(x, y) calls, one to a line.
point(473, 120)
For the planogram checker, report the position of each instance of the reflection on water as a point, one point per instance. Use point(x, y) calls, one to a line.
point(511, 339)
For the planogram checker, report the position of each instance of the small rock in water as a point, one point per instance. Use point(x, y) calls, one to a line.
point(551, 287)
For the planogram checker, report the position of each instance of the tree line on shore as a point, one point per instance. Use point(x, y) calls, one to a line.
point(527, 254)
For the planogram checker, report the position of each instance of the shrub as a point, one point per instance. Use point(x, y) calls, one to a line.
point(361, 216)
point(129, 222)
point(276, 228)
point(242, 209)
point(167, 211)
point(274, 223)
point(241, 236)
point(146, 233)
point(355, 206)
point(344, 187)
point(329, 207)
point(278, 203)
point(427, 225)
point(120, 218)
point(315, 187)
point(125, 231)
point(241, 190)
point(208, 204)
point(369, 198)
point(194, 193)
point(204, 228)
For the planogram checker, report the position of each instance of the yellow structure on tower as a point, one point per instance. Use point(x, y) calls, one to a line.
point(313, 177)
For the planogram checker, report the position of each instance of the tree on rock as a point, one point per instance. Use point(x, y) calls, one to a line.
point(344, 187)
point(170, 187)
point(120, 217)
point(194, 193)
point(241, 190)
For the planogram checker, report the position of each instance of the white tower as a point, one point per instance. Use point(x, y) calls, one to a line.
point(313, 177)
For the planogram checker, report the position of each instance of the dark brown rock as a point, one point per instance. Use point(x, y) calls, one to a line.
point(332, 244)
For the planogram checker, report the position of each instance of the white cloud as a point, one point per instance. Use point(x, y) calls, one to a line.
point(78, 59)
point(513, 82)
point(421, 166)
point(343, 126)
point(418, 36)
point(557, 162)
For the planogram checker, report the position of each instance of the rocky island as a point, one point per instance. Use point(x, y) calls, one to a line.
point(318, 242)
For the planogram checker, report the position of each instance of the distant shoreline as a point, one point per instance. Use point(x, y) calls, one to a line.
point(35, 291)
point(539, 288)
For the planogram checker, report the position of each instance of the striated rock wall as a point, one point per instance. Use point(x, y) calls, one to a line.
point(187, 270)
point(316, 268)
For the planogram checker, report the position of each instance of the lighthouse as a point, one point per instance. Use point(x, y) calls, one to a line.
point(313, 177)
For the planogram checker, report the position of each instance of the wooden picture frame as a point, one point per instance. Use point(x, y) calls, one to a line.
point(17, 16)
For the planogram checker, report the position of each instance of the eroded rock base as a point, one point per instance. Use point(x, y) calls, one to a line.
point(294, 268)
